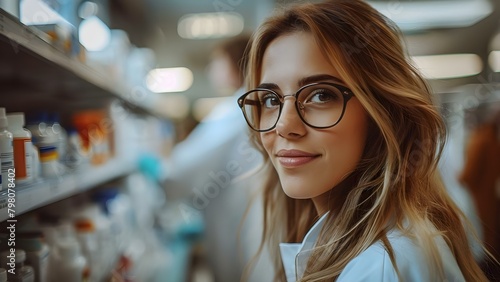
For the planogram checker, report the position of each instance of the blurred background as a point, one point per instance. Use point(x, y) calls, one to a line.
point(131, 155)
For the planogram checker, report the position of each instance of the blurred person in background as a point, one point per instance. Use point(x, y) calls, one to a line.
point(226, 62)
point(210, 164)
point(223, 124)
point(351, 141)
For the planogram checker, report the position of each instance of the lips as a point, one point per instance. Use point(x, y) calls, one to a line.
point(295, 158)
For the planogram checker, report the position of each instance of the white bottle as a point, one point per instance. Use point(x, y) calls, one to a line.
point(6, 150)
point(36, 169)
point(71, 265)
point(37, 255)
point(76, 157)
point(61, 232)
point(49, 163)
point(23, 148)
point(60, 134)
point(96, 240)
point(92, 252)
point(48, 138)
point(23, 273)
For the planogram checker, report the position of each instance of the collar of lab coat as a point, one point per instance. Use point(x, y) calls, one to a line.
point(295, 255)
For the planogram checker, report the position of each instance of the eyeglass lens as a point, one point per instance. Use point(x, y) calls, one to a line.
point(319, 105)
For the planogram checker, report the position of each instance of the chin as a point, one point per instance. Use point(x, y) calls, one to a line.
point(295, 191)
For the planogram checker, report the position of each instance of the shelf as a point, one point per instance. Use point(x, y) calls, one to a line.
point(30, 64)
point(42, 193)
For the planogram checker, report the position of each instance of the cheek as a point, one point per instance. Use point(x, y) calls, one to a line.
point(358, 140)
point(351, 134)
point(267, 140)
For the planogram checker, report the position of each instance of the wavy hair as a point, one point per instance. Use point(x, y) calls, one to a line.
point(396, 184)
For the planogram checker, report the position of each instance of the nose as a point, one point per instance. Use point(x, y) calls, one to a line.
point(290, 124)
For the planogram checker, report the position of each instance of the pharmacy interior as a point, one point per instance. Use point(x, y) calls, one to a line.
point(124, 155)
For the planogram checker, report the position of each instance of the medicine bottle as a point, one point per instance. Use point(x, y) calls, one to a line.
point(6, 150)
point(37, 253)
point(72, 265)
point(49, 163)
point(22, 273)
point(23, 148)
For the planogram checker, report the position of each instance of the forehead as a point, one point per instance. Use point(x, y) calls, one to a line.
point(291, 57)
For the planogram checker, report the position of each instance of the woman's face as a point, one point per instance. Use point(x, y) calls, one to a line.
point(309, 161)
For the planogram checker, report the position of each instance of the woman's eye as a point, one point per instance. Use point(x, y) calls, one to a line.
point(270, 101)
point(321, 96)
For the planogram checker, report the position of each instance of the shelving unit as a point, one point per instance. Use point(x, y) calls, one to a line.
point(45, 192)
point(31, 63)
point(34, 74)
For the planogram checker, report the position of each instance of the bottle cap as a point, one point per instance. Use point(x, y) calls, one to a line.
point(3, 120)
point(20, 255)
point(105, 197)
point(68, 249)
point(15, 120)
point(65, 230)
point(84, 226)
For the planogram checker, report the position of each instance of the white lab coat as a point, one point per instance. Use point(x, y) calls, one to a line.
point(374, 263)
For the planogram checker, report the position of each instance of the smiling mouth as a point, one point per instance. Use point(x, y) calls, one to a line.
point(295, 158)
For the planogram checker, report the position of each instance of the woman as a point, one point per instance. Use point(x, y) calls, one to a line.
point(351, 137)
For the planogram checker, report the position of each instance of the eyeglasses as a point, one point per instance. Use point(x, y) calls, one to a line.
point(319, 105)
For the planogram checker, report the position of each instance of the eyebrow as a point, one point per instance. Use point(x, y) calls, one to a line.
point(304, 81)
point(318, 78)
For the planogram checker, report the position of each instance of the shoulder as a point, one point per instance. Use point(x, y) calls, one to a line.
point(374, 264)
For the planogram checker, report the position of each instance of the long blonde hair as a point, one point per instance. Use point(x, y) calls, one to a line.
point(396, 184)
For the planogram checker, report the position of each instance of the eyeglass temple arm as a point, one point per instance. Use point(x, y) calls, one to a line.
point(248, 102)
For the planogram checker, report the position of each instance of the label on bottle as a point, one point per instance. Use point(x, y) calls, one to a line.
point(6, 159)
point(22, 158)
point(30, 166)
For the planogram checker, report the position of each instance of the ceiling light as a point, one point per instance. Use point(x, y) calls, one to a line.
point(421, 15)
point(210, 25)
point(449, 65)
point(494, 61)
point(169, 80)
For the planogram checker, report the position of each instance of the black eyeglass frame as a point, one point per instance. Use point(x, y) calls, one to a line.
point(346, 92)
